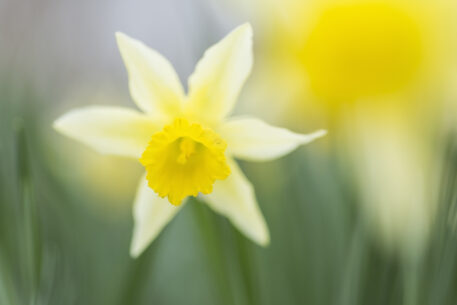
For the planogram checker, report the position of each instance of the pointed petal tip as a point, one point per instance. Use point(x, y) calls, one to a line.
point(246, 27)
point(121, 39)
point(265, 244)
point(57, 124)
point(124, 41)
point(314, 136)
point(264, 237)
point(135, 249)
point(61, 123)
point(320, 133)
point(119, 35)
point(245, 30)
point(264, 241)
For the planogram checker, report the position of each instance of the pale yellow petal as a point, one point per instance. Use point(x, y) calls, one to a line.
point(154, 84)
point(235, 199)
point(108, 130)
point(254, 140)
point(151, 214)
point(219, 76)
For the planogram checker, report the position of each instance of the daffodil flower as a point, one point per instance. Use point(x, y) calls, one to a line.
point(186, 143)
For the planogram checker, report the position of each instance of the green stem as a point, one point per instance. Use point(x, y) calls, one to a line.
point(32, 246)
point(136, 279)
point(246, 265)
point(214, 249)
point(411, 280)
point(7, 296)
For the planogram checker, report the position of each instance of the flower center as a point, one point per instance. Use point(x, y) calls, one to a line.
point(187, 148)
point(363, 50)
point(183, 160)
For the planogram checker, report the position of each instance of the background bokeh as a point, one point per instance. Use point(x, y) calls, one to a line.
point(351, 219)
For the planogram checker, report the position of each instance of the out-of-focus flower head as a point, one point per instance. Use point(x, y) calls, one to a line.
point(366, 67)
point(326, 54)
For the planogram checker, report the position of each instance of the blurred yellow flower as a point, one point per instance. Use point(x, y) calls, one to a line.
point(362, 49)
point(376, 71)
point(331, 53)
point(191, 143)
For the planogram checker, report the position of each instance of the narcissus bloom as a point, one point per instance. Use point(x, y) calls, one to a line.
point(186, 142)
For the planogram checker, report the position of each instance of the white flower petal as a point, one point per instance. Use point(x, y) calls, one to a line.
point(109, 130)
point(255, 140)
point(151, 214)
point(153, 82)
point(234, 198)
point(219, 76)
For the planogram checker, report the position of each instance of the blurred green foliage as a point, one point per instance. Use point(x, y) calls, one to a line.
point(55, 248)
